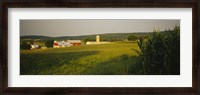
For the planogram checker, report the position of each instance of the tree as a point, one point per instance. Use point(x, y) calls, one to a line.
point(104, 39)
point(144, 37)
point(132, 38)
point(49, 43)
point(88, 39)
point(31, 42)
point(25, 46)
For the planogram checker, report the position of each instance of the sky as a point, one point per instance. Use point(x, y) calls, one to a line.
point(77, 27)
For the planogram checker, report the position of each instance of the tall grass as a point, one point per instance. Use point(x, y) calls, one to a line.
point(160, 54)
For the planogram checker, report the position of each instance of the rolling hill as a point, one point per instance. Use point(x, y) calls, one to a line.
point(103, 36)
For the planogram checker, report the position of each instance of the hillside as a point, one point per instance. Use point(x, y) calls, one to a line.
point(34, 37)
point(104, 36)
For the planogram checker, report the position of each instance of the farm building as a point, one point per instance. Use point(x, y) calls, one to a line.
point(97, 41)
point(75, 42)
point(34, 46)
point(68, 43)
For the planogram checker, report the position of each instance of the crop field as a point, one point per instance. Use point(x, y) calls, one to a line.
point(103, 59)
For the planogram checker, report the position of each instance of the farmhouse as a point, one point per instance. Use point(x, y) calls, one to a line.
point(68, 43)
point(34, 46)
point(97, 41)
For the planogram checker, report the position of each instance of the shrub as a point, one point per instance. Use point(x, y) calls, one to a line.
point(25, 46)
point(132, 38)
point(160, 54)
point(49, 43)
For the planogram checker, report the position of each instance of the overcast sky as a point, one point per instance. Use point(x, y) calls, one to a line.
point(55, 28)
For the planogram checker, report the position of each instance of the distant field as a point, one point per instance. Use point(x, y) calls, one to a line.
point(103, 59)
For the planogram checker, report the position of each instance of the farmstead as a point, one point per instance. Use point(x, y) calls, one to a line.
point(99, 47)
point(68, 43)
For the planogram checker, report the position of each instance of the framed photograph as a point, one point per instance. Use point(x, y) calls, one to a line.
point(100, 47)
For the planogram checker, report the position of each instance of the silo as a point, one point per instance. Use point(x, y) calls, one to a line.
point(97, 38)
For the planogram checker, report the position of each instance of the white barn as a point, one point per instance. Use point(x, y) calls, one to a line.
point(34, 46)
point(68, 43)
point(58, 44)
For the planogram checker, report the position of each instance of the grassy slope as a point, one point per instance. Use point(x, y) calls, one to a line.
point(105, 59)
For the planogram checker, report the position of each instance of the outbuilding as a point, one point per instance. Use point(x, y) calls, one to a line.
point(68, 43)
point(34, 46)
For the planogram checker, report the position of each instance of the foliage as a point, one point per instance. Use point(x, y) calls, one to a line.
point(89, 39)
point(49, 43)
point(144, 37)
point(160, 54)
point(25, 46)
point(132, 38)
point(31, 42)
point(104, 39)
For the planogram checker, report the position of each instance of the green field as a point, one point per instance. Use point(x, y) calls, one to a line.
point(104, 59)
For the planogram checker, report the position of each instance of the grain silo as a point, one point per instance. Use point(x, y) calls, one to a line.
point(97, 38)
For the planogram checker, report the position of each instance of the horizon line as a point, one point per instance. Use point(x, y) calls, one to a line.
point(86, 35)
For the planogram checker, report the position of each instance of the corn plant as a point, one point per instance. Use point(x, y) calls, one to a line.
point(160, 54)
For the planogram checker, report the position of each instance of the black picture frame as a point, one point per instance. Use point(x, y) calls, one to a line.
point(194, 4)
